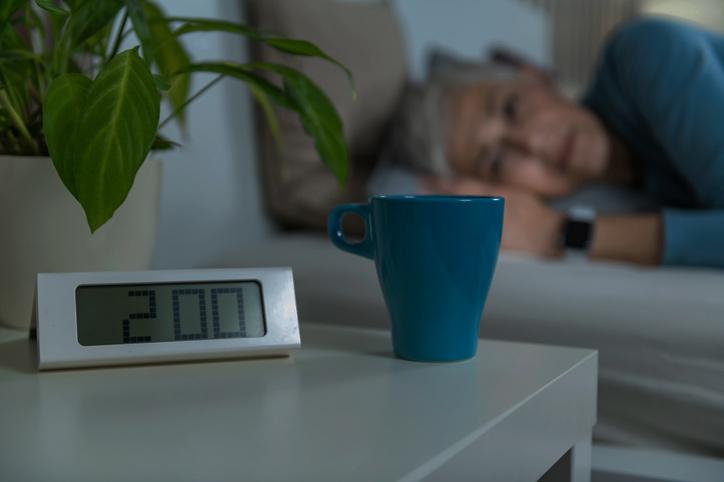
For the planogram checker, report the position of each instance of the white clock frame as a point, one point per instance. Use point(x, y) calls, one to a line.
point(57, 333)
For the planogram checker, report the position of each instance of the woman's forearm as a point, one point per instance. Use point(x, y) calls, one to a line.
point(631, 238)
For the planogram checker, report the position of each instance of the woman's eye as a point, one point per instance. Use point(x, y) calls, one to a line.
point(510, 107)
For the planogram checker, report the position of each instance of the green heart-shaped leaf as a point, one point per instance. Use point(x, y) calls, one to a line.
point(170, 56)
point(161, 83)
point(307, 49)
point(160, 143)
point(244, 73)
point(300, 94)
point(89, 17)
point(63, 102)
point(210, 25)
point(287, 45)
point(318, 115)
point(140, 27)
point(119, 124)
point(51, 7)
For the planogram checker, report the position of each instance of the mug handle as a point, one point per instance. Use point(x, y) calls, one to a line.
point(365, 247)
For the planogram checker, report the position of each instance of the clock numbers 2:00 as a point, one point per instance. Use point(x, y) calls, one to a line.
point(176, 310)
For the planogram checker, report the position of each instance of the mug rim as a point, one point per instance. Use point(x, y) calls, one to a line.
point(434, 197)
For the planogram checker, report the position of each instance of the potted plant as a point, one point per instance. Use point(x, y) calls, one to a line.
point(79, 116)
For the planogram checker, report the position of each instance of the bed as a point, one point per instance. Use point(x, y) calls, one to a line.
point(659, 332)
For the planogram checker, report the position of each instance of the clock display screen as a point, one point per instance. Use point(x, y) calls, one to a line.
point(148, 313)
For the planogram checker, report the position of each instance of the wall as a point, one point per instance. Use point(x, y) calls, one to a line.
point(470, 27)
point(708, 13)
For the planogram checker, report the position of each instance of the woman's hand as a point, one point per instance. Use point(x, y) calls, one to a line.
point(529, 225)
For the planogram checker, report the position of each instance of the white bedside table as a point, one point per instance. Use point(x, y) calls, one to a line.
point(342, 408)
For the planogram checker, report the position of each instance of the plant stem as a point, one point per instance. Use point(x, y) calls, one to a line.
point(189, 100)
point(17, 120)
point(119, 37)
point(14, 144)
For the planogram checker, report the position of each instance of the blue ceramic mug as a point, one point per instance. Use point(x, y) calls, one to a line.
point(435, 259)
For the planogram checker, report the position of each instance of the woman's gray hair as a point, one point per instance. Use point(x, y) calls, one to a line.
point(418, 133)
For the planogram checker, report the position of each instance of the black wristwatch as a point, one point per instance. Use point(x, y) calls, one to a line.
point(578, 229)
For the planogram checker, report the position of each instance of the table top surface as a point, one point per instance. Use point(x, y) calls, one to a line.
point(341, 405)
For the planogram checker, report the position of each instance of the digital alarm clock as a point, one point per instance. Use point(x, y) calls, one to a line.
point(120, 318)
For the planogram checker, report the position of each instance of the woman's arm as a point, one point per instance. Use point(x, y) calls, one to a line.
point(673, 236)
point(633, 238)
point(531, 226)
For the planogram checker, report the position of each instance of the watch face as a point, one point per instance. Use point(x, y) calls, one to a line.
point(577, 234)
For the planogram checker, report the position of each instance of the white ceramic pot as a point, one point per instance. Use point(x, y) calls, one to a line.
point(43, 229)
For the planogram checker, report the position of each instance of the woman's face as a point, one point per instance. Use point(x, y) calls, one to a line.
point(523, 133)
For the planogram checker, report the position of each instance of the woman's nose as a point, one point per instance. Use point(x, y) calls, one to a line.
point(531, 139)
point(525, 140)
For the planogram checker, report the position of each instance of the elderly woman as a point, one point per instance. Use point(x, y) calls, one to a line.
point(653, 119)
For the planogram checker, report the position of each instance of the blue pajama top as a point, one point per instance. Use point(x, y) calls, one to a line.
point(660, 88)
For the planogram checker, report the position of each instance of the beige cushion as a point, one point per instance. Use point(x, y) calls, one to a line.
point(300, 190)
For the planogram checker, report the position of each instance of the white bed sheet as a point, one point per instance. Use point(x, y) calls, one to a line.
point(659, 332)
point(660, 336)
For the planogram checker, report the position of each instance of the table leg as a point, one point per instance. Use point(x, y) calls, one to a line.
point(581, 460)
